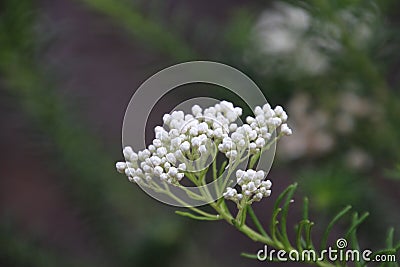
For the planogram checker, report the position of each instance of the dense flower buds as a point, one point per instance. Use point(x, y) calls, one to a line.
point(189, 136)
point(253, 185)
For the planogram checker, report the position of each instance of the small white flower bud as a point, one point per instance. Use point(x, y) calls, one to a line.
point(260, 175)
point(240, 173)
point(267, 184)
point(202, 127)
point(129, 171)
point(135, 179)
point(172, 171)
point(252, 146)
point(233, 127)
point(120, 166)
point(161, 151)
point(173, 133)
point(129, 155)
point(194, 131)
point(182, 166)
point(142, 155)
point(158, 170)
point(185, 146)
point(238, 111)
point(179, 176)
point(167, 165)
point(151, 148)
point(218, 133)
point(285, 129)
point(258, 197)
point(260, 142)
point(157, 142)
point(258, 111)
point(266, 108)
point(167, 119)
point(241, 143)
point(155, 160)
point(147, 168)
point(196, 109)
point(171, 158)
point(251, 187)
point(250, 120)
point(273, 122)
point(202, 149)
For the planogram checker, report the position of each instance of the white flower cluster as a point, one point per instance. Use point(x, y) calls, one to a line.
point(256, 133)
point(187, 136)
point(252, 186)
point(154, 161)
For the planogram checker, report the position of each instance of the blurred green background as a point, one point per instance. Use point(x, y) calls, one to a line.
point(69, 67)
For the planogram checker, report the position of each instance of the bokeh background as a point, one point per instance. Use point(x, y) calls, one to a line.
point(69, 67)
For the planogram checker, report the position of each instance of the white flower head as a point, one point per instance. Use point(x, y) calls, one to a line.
point(252, 185)
point(185, 136)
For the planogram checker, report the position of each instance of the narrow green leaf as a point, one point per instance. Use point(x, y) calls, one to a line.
point(254, 257)
point(196, 217)
point(299, 237)
point(249, 255)
point(390, 236)
point(274, 222)
point(222, 169)
point(356, 223)
point(354, 241)
point(282, 195)
point(254, 159)
point(276, 211)
point(285, 211)
point(308, 227)
point(256, 222)
point(397, 247)
point(324, 239)
point(305, 208)
point(193, 195)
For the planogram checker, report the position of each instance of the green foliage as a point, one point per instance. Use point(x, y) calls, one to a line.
point(277, 237)
point(394, 174)
point(161, 37)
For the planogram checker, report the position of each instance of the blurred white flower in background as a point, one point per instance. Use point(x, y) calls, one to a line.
point(358, 159)
point(352, 107)
point(297, 42)
point(317, 131)
point(281, 29)
point(291, 40)
point(311, 136)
